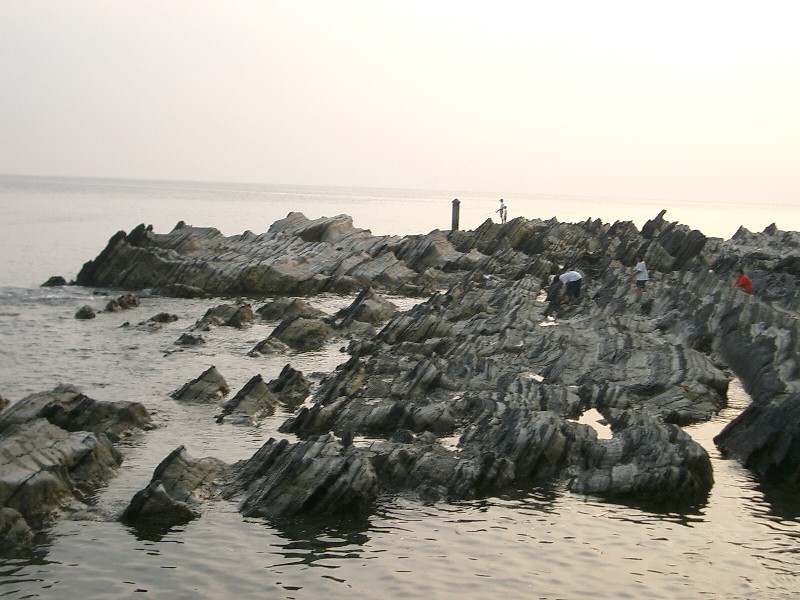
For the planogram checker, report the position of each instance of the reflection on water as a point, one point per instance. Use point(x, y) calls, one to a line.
point(320, 542)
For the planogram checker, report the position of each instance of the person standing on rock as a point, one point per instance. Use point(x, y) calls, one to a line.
point(503, 211)
point(743, 282)
point(572, 285)
point(640, 274)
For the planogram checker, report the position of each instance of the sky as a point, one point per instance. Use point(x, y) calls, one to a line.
point(689, 101)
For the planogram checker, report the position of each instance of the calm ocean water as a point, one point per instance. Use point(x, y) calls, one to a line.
point(745, 543)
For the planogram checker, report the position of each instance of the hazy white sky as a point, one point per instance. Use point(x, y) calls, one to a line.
point(676, 100)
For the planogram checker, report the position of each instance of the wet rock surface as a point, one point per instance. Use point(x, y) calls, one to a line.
point(209, 386)
point(56, 450)
point(179, 483)
point(250, 404)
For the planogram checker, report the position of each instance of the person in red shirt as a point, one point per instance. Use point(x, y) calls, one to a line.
point(743, 282)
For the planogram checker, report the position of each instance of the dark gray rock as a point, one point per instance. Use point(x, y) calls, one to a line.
point(45, 471)
point(156, 322)
point(66, 407)
point(477, 364)
point(303, 334)
point(179, 485)
point(56, 450)
point(15, 534)
point(316, 476)
point(209, 386)
point(85, 312)
point(644, 459)
point(271, 345)
point(250, 405)
point(281, 308)
point(368, 307)
point(177, 290)
point(295, 257)
point(55, 281)
point(484, 348)
point(291, 387)
point(164, 317)
point(189, 339)
point(228, 315)
point(124, 302)
point(154, 504)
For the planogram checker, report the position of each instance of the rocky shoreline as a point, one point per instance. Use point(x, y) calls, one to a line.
point(476, 391)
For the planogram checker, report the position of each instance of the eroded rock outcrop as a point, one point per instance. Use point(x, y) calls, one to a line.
point(66, 407)
point(281, 308)
point(296, 256)
point(250, 404)
point(124, 302)
point(180, 483)
point(303, 334)
point(317, 476)
point(643, 459)
point(209, 386)
point(56, 450)
point(368, 307)
point(227, 315)
point(485, 364)
point(291, 387)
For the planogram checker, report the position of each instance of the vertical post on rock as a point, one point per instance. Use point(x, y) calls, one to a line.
point(456, 209)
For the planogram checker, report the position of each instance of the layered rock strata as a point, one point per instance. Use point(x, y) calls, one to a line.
point(56, 450)
point(476, 391)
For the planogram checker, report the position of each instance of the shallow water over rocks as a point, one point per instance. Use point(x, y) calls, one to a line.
point(545, 543)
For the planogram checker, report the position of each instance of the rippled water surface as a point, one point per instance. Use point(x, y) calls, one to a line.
point(543, 543)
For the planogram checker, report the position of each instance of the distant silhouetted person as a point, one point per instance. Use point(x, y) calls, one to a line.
point(743, 282)
point(503, 211)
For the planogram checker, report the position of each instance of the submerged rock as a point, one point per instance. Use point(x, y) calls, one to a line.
point(85, 312)
point(124, 302)
point(281, 308)
point(189, 339)
point(228, 315)
point(55, 281)
point(15, 534)
point(291, 387)
point(163, 317)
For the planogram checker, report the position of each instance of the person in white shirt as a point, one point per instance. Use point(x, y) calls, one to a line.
point(503, 210)
point(572, 285)
point(640, 275)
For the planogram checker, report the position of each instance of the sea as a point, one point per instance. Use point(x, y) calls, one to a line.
point(545, 543)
